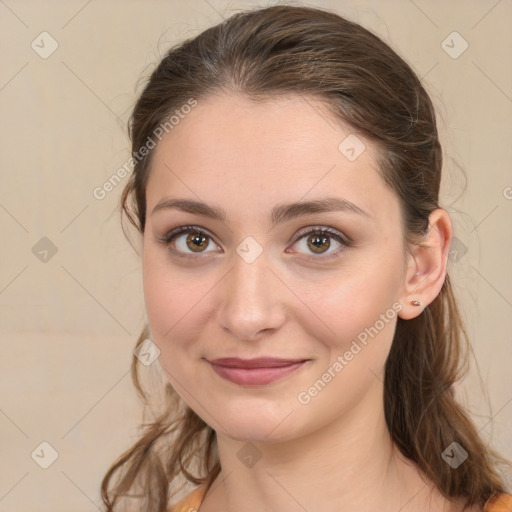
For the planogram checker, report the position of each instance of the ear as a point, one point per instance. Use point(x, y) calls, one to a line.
point(426, 265)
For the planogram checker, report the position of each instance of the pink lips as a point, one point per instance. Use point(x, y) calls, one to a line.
point(254, 372)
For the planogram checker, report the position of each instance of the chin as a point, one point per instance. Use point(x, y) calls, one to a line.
point(255, 435)
point(255, 428)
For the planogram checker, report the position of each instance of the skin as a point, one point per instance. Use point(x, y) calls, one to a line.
point(290, 302)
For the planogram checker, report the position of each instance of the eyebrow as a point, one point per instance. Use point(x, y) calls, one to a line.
point(280, 213)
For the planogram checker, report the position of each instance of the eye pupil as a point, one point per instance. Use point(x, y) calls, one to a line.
point(198, 241)
point(319, 240)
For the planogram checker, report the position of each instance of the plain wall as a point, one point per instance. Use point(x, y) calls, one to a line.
point(68, 325)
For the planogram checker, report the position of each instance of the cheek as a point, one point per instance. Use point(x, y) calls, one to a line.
point(175, 300)
point(361, 319)
point(157, 286)
point(160, 294)
point(346, 304)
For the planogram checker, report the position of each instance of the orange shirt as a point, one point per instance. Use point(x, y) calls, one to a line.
point(500, 503)
point(191, 502)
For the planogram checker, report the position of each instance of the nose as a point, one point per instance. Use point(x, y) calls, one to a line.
point(252, 301)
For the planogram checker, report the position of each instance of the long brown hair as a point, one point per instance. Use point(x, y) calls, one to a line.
point(283, 50)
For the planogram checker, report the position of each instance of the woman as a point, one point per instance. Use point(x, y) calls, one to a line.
point(286, 184)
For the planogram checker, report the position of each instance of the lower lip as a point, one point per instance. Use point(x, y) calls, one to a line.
point(255, 376)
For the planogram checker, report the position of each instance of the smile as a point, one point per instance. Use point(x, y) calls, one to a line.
point(255, 376)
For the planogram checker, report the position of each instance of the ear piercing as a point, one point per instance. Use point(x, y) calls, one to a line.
point(416, 303)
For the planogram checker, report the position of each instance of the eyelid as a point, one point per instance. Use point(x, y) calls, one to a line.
point(334, 233)
point(342, 239)
point(345, 241)
point(174, 233)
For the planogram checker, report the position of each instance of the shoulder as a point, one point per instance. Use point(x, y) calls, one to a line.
point(499, 503)
point(191, 502)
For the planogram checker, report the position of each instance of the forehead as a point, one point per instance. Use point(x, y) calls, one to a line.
point(231, 149)
point(236, 126)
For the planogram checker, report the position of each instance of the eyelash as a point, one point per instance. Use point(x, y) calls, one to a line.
point(344, 241)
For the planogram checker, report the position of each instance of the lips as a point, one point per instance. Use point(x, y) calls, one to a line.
point(261, 362)
point(255, 372)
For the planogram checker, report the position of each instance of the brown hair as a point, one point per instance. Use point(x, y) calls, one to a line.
point(283, 50)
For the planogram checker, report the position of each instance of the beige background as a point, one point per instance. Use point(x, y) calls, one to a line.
point(68, 325)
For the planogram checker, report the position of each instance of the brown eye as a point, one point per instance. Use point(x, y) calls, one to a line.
point(318, 243)
point(196, 241)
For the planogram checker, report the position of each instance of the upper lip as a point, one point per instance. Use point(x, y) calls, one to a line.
point(260, 362)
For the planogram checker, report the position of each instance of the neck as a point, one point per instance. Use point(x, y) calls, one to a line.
point(351, 461)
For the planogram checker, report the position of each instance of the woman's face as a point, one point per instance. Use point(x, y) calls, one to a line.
point(261, 282)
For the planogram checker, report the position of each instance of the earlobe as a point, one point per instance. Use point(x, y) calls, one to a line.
point(427, 266)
